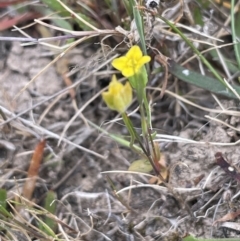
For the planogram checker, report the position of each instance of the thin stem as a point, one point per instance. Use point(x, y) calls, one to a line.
point(134, 136)
point(148, 112)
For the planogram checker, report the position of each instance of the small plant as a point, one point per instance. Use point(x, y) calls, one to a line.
point(119, 97)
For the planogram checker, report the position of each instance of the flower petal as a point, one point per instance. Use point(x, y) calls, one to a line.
point(108, 99)
point(144, 60)
point(127, 94)
point(114, 79)
point(119, 63)
point(119, 96)
point(128, 72)
point(115, 86)
point(119, 104)
point(134, 53)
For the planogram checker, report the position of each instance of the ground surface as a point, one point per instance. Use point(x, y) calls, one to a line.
point(203, 191)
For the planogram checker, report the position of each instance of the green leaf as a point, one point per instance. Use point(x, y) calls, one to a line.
point(46, 229)
point(117, 138)
point(235, 31)
point(3, 204)
point(189, 238)
point(62, 23)
point(128, 8)
point(4, 212)
point(3, 198)
point(197, 15)
point(192, 238)
point(81, 24)
point(49, 205)
point(231, 66)
point(141, 166)
point(201, 81)
point(56, 6)
point(140, 27)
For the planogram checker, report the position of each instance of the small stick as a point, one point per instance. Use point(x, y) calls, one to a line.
point(33, 170)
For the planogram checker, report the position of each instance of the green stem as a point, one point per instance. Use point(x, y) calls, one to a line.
point(148, 112)
point(133, 133)
point(143, 121)
point(119, 140)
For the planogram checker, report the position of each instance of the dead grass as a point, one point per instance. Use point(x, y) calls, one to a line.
point(95, 197)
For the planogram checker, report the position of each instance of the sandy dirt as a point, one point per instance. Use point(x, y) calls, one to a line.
point(202, 192)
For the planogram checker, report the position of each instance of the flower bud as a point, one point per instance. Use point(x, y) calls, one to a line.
point(119, 96)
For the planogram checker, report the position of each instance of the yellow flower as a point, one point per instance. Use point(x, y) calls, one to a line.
point(132, 62)
point(119, 96)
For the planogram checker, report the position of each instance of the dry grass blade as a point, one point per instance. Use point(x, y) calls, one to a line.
point(70, 49)
point(228, 216)
point(181, 98)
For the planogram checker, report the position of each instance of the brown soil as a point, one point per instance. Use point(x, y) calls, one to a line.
point(203, 191)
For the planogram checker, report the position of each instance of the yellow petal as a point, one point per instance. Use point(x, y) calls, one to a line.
point(119, 104)
point(124, 98)
point(144, 60)
point(115, 86)
point(128, 72)
point(134, 53)
point(114, 78)
point(119, 63)
point(119, 96)
point(127, 94)
point(108, 99)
